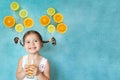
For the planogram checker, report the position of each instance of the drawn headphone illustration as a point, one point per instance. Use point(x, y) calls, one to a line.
point(53, 40)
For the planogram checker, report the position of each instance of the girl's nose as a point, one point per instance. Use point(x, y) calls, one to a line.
point(32, 43)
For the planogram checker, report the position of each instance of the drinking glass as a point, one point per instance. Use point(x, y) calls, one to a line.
point(30, 71)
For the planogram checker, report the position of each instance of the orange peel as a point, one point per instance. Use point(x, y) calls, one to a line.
point(19, 27)
point(51, 11)
point(58, 18)
point(61, 28)
point(9, 21)
point(28, 22)
point(51, 28)
point(44, 20)
point(14, 6)
point(23, 13)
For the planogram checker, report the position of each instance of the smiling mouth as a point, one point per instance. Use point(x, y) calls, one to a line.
point(32, 48)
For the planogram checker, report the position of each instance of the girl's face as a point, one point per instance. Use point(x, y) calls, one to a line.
point(32, 43)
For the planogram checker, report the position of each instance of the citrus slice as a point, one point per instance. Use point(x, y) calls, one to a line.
point(23, 13)
point(19, 27)
point(9, 21)
point(51, 28)
point(44, 20)
point(61, 28)
point(51, 11)
point(14, 6)
point(28, 22)
point(58, 18)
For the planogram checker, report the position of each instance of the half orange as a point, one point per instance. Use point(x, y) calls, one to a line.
point(28, 22)
point(44, 20)
point(58, 18)
point(9, 21)
point(61, 28)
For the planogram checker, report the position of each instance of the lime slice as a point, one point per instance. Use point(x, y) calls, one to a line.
point(19, 27)
point(51, 28)
point(58, 18)
point(23, 13)
point(14, 6)
point(28, 22)
point(61, 28)
point(9, 21)
point(44, 20)
point(51, 11)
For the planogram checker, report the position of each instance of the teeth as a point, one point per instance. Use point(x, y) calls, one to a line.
point(32, 48)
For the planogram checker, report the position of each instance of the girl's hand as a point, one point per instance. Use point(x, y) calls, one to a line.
point(35, 69)
point(27, 69)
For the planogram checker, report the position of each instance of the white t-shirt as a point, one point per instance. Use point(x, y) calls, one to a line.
point(41, 66)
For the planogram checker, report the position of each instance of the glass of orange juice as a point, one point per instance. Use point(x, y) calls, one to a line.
point(30, 71)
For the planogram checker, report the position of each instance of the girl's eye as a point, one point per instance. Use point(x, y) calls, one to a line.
point(36, 40)
point(28, 42)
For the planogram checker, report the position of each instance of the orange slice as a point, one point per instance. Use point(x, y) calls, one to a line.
point(51, 28)
point(28, 22)
point(9, 21)
point(19, 27)
point(61, 28)
point(44, 20)
point(14, 6)
point(58, 18)
point(51, 11)
point(23, 13)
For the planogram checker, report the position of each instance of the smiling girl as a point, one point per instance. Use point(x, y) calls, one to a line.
point(33, 66)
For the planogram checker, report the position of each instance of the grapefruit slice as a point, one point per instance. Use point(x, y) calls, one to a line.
point(9, 21)
point(28, 22)
point(61, 28)
point(14, 6)
point(19, 27)
point(23, 13)
point(58, 18)
point(51, 28)
point(44, 20)
point(51, 11)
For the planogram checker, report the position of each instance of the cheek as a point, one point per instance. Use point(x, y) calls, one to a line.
point(25, 46)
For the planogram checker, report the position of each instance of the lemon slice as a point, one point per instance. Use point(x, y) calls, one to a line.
point(51, 11)
point(9, 21)
point(58, 18)
point(28, 22)
point(44, 20)
point(23, 13)
point(19, 27)
point(14, 6)
point(61, 28)
point(51, 28)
